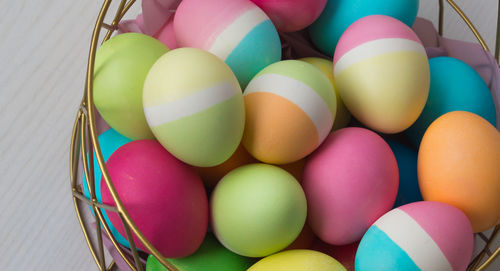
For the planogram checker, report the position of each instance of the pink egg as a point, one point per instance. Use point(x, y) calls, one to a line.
point(350, 181)
point(291, 15)
point(167, 35)
point(165, 197)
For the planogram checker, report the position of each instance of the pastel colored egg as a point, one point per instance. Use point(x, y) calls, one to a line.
point(304, 240)
point(454, 86)
point(109, 142)
point(423, 235)
point(458, 164)
point(257, 210)
point(121, 65)
point(298, 260)
point(157, 189)
point(349, 181)
point(342, 116)
point(211, 256)
point(291, 15)
point(382, 73)
point(167, 35)
point(408, 190)
point(237, 31)
point(338, 15)
point(290, 108)
point(212, 175)
point(194, 106)
point(345, 254)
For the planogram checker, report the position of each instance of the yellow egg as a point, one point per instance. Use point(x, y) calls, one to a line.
point(342, 116)
point(298, 260)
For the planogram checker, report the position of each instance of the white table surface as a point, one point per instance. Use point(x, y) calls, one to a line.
point(43, 53)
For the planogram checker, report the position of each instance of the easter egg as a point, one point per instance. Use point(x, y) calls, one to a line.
point(212, 175)
point(194, 106)
point(454, 86)
point(338, 15)
point(109, 141)
point(237, 31)
point(157, 189)
point(292, 15)
point(211, 256)
point(290, 107)
point(423, 235)
point(382, 73)
point(167, 35)
point(349, 181)
point(121, 65)
point(342, 116)
point(298, 260)
point(458, 164)
point(257, 210)
point(345, 254)
point(408, 190)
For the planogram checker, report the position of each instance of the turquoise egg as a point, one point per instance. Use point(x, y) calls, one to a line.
point(408, 190)
point(338, 15)
point(455, 86)
point(109, 142)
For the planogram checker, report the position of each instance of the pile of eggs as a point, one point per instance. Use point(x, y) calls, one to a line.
point(229, 158)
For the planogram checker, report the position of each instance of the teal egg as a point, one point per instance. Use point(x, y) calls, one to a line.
point(455, 86)
point(338, 15)
point(408, 190)
point(109, 142)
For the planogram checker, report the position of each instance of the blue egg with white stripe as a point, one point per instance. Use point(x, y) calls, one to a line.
point(237, 31)
point(423, 235)
point(109, 142)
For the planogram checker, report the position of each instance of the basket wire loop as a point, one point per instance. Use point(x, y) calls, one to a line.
point(85, 140)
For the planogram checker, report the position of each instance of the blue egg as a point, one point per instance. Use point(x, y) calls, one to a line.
point(408, 190)
point(338, 15)
point(455, 86)
point(109, 142)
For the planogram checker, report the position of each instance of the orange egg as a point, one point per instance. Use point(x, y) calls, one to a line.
point(459, 164)
point(212, 175)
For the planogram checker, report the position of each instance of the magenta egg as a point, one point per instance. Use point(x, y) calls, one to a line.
point(167, 35)
point(165, 197)
point(349, 181)
point(292, 15)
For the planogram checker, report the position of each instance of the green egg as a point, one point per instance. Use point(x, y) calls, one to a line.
point(121, 66)
point(211, 256)
point(258, 210)
point(194, 106)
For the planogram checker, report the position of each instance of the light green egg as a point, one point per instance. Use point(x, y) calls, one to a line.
point(194, 106)
point(211, 256)
point(258, 210)
point(121, 65)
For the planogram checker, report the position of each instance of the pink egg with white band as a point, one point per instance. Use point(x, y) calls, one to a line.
point(382, 73)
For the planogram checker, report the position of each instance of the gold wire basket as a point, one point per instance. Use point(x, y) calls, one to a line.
point(85, 140)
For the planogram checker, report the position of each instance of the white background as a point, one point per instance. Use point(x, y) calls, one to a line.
point(43, 53)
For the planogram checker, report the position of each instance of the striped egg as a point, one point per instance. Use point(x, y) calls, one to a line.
point(290, 108)
point(194, 106)
point(237, 31)
point(425, 235)
point(382, 73)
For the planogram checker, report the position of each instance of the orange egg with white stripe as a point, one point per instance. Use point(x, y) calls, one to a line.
point(290, 108)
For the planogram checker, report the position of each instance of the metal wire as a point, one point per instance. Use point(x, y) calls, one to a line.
point(85, 140)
